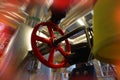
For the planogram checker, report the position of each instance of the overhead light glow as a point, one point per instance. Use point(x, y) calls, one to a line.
point(80, 21)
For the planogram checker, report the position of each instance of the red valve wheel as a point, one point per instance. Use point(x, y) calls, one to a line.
point(34, 38)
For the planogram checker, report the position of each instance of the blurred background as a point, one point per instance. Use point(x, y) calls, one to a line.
point(17, 60)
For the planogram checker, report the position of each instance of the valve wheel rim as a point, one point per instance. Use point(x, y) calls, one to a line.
point(37, 52)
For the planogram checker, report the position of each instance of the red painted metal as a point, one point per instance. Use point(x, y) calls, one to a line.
point(51, 28)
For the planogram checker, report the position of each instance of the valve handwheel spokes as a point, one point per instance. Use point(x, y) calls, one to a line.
point(50, 62)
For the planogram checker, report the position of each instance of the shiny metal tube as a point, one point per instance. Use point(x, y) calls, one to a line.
point(38, 10)
point(16, 52)
point(77, 11)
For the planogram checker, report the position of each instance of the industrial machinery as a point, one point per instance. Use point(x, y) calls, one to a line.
point(50, 40)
